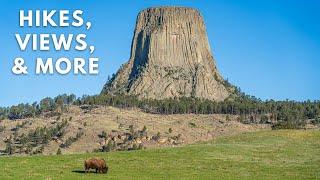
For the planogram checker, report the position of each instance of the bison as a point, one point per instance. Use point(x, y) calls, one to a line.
point(95, 163)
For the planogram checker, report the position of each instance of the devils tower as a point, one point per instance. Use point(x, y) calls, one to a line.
point(170, 58)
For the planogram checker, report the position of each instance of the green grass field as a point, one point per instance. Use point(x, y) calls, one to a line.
point(285, 154)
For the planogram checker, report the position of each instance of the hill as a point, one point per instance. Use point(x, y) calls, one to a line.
point(281, 154)
point(83, 130)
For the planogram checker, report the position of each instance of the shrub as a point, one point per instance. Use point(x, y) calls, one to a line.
point(144, 129)
point(143, 132)
point(264, 119)
point(42, 135)
point(2, 128)
point(177, 138)
point(314, 122)
point(140, 146)
point(121, 125)
point(157, 137)
point(134, 147)
point(103, 134)
point(287, 125)
point(59, 151)
point(18, 126)
point(71, 140)
point(39, 150)
point(109, 147)
point(9, 148)
point(170, 130)
point(243, 119)
point(193, 125)
point(131, 129)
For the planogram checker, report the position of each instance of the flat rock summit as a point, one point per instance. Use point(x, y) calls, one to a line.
point(170, 58)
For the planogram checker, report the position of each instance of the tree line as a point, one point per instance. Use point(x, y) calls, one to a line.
point(283, 114)
point(59, 103)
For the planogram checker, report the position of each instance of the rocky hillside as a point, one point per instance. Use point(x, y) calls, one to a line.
point(170, 57)
point(112, 129)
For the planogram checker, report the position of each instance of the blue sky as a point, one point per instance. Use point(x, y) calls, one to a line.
point(269, 48)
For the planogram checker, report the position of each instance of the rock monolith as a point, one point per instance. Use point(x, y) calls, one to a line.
point(170, 58)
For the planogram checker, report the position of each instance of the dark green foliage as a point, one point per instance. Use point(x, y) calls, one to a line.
point(47, 104)
point(143, 132)
point(193, 125)
point(35, 109)
point(157, 137)
point(36, 139)
point(71, 140)
point(2, 128)
point(9, 147)
point(109, 147)
point(264, 119)
point(136, 147)
point(59, 151)
point(144, 129)
point(29, 148)
point(42, 135)
point(290, 118)
point(103, 134)
point(242, 119)
point(126, 141)
point(316, 121)
point(131, 129)
point(39, 150)
point(249, 108)
point(18, 126)
point(20, 111)
point(286, 125)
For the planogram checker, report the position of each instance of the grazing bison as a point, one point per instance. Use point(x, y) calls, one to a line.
point(95, 163)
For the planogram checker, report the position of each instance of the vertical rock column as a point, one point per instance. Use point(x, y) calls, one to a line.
point(170, 57)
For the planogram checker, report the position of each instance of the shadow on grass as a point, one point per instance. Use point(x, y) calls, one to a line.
point(83, 172)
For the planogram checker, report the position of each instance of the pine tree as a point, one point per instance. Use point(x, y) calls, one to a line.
point(59, 151)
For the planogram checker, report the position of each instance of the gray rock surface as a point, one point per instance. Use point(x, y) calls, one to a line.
point(170, 57)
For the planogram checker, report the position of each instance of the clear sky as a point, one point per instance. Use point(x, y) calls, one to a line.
point(269, 48)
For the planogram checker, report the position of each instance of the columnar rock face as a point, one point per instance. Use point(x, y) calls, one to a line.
point(170, 57)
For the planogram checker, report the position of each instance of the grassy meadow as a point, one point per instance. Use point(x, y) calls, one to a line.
point(282, 154)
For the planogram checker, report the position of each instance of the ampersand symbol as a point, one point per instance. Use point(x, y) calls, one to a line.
point(18, 67)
